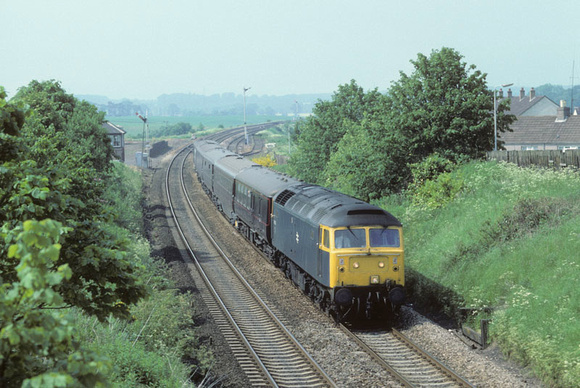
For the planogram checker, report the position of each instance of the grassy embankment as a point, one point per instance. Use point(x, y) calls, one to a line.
point(495, 235)
point(159, 347)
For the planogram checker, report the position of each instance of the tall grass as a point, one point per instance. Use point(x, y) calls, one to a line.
point(158, 347)
point(509, 240)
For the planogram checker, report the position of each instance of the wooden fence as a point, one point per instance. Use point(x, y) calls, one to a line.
point(550, 159)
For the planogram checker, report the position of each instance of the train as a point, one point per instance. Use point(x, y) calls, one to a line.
point(345, 254)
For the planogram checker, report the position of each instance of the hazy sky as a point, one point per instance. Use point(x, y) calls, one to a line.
point(142, 49)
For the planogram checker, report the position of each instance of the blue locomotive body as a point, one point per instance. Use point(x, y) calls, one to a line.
point(347, 255)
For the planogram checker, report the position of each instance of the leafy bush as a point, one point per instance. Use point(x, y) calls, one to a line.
point(176, 130)
point(124, 186)
point(438, 192)
point(434, 184)
point(78, 256)
point(429, 169)
point(36, 342)
point(137, 367)
point(267, 160)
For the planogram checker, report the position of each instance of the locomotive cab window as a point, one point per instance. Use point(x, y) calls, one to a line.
point(350, 238)
point(383, 237)
point(325, 238)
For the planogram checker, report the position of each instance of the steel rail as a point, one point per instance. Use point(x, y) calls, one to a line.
point(405, 377)
point(314, 367)
point(376, 356)
point(431, 359)
point(207, 281)
point(262, 303)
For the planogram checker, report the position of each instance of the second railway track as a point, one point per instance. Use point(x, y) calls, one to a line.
point(407, 362)
point(266, 350)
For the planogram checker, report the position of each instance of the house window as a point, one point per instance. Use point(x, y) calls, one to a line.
point(116, 140)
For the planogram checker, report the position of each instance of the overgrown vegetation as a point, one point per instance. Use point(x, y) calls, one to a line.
point(506, 240)
point(363, 143)
point(178, 129)
point(266, 160)
point(82, 303)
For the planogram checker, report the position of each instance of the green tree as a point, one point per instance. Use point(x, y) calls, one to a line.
point(61, 125)
point(12, 118)
point(66, 187)
point(320, 134)
point(444, 107)
point(364, 167)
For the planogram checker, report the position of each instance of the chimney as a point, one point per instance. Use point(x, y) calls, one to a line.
point(500, 94)
point(510, 93)
point(522, 94)
point(563, 112)
point(532, 94)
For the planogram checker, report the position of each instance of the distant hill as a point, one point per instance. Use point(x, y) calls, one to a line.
point(225, 104)
point(183, 104)
point(558, 92)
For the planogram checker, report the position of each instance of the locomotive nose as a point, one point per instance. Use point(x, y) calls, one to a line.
point(343, 297)
point(397, 296)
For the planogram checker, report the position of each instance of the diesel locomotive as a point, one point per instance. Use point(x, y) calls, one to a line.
point(346, 254)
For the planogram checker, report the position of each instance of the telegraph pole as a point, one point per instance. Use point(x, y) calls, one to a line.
point(245, 127)
point(143, 142)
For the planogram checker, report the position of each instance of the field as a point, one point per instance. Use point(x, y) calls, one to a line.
point(134, 126)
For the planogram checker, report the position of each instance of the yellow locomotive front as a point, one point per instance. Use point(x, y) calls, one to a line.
point(367, 267)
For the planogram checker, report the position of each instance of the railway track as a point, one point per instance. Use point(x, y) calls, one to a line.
point(234, 135)
point(407, 362)
point(264, 348)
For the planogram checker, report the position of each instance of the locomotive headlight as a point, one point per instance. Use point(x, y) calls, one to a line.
point(375, 279)
point(355, 265)
point(381, 264)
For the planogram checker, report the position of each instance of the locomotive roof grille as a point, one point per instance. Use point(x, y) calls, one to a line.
point(365, 212)
point(284, 197)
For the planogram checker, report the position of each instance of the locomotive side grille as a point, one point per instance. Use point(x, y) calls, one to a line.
point(284, 197)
